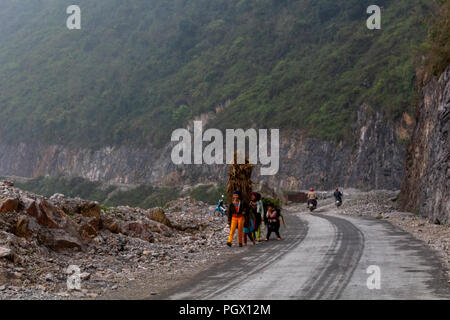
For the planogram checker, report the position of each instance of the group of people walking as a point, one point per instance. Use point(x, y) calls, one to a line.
point(248, 219)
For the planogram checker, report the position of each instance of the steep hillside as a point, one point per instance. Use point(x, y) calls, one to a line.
point(138, 69)
point(425, 187)
point(426, 184)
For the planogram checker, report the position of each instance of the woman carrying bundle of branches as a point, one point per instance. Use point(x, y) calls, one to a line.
point(239, 187)
point(236, 218)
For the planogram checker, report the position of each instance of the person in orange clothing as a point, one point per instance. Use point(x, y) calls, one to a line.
point(236, 219)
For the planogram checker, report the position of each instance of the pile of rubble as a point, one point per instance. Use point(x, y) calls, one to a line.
point(40, 238)
point(372, 203)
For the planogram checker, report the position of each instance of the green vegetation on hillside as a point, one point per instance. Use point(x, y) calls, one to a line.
point(140, 68)
point(435, 50)
point(70, 187)
point(109, 195)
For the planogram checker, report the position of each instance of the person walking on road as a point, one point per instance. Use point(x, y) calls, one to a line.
point(273, 221)
point(236, 219)
point(257, 208)
point(249, 226)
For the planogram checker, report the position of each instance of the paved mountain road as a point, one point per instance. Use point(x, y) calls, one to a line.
point(324, 256)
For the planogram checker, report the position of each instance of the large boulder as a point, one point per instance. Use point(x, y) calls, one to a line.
point(50, 216)
point(59, 239)
point(90, 209)
point(31, 207)
point(160, 228)
point(50, 226)
point(89, 228)
point(45, 213)
point(9, 205)
point(137, 229)
point(158, 215)
point(78, 206)
point(111, 225)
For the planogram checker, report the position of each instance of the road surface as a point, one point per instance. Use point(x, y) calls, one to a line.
point(324, 256)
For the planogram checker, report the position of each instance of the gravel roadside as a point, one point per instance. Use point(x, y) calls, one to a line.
point(382, 204)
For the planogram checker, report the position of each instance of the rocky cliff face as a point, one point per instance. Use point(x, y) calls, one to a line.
point(373, 161)
point(426, 185)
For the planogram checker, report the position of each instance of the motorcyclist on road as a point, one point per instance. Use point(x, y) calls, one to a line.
point(221, 204)
point(338, 195)
point(220, 209)
point(312, 197)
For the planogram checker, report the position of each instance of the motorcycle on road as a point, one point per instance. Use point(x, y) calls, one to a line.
point(312, 205)
point(220, 210)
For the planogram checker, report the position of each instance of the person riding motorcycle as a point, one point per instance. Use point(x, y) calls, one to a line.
point(312, 197)
point(221, 205)
point(221, 210)
point(338, 195)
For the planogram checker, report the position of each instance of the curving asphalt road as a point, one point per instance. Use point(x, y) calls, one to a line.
point(324, 256)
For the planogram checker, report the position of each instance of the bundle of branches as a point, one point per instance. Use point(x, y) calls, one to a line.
point(274, 201)
point(276, 204)
point(239, 178)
